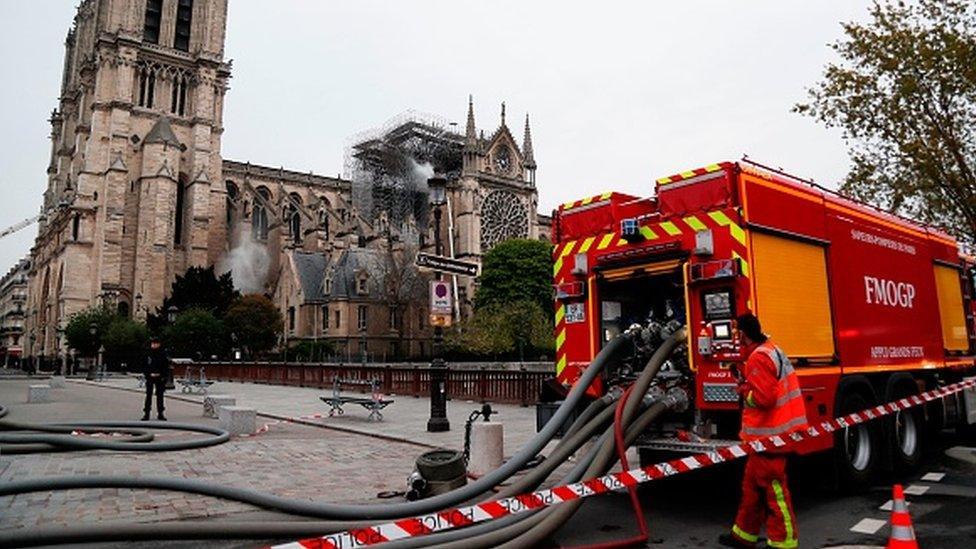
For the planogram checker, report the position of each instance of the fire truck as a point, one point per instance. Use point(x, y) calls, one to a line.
point(870, 307)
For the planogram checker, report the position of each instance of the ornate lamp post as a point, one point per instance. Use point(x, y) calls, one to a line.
point(438, 369)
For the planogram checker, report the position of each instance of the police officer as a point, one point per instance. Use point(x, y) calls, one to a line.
point(772, 405)
point(156, 372)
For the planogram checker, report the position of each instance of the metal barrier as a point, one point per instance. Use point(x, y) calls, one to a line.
point(483, 384)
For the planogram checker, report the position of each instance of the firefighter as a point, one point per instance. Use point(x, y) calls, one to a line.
point(772, 405)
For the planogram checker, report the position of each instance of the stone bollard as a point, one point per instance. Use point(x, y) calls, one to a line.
point(212, 404)
point(238, 420)
point(57, 382)
point(487, 447)
point(38, 393)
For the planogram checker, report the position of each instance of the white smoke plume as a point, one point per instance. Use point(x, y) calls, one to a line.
point(248, 264)
point(420, 173)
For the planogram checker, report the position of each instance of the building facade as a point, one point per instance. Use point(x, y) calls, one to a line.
point(13, 302)
point(138, 192)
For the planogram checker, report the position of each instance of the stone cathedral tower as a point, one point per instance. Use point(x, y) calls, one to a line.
point(135, 193)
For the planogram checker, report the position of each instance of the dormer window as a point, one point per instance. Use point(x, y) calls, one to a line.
point(362, 287)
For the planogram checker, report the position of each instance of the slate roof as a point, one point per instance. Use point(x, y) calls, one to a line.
point(161, 132)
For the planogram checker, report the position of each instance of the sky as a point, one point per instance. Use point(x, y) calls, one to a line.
point(619, 93)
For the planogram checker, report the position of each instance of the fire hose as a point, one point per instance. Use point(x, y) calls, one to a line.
point(349, 516)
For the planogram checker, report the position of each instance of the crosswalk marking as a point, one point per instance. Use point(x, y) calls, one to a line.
point(916, 490)
point(868, 526)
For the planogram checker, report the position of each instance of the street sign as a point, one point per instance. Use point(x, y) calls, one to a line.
point(440, 298)
point(447, 265)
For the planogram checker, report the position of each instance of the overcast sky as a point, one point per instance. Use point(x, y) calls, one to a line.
point(619, 93)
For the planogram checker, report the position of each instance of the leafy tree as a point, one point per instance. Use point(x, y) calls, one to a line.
point(198, 288)
point(79, 329)
point(125, 341)
point(254, 322)
point(196, 334)
point(514, 271)
point(904, 94)
point(516, 330)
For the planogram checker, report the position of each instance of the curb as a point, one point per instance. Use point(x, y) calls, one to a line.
point(269, 416)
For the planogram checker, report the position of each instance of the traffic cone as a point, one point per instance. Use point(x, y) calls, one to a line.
point(902, 533)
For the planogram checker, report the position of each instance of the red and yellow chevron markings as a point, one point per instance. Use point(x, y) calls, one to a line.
point(689, 174)
point(585, 202)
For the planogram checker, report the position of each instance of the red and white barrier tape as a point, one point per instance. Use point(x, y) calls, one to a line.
point(464, 516)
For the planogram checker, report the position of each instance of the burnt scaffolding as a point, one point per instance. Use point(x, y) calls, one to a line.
point(389, 166)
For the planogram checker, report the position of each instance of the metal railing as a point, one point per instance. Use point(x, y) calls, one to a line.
point(482, 384)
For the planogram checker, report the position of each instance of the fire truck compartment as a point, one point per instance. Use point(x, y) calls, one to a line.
point(633, 294)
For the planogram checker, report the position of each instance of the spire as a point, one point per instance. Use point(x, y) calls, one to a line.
point(503, 113)
point(527, 145)
point(470, 137)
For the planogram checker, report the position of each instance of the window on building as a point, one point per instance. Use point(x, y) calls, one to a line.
point(154, 16)
point(184, 18)
point(259, 216)
point(178, 95)
point(361, 317)
point(178, 214)
point(291, 319)
point(231, 198)
point(147, 87)
point(338, 318)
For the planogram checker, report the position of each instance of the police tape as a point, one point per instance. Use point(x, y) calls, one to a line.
point(481, 512)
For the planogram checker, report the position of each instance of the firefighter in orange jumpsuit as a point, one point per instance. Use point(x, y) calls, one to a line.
point(773, 405)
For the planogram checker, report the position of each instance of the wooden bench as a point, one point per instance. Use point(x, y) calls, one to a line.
point(374, 403)
point(190, 384)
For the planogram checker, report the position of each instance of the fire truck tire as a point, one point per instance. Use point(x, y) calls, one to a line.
point(856, 448)
point(441, 465)
point(904, 429)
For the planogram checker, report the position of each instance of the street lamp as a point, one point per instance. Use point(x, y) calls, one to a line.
point(92, 331)
point(438, 369)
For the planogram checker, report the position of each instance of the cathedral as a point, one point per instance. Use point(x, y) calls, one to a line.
point(138, 192)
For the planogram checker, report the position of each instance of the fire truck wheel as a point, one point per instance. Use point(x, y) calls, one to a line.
point(905, 433)
point(856, 447)
point(441, 465)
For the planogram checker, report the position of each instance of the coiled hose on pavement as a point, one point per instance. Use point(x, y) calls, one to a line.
point(349, 516)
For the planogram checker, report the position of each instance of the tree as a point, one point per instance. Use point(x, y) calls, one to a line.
point(904, 94)
point(125, 341)
point(254, 322)
point(79, 329)
point(196, 333)
point(198, 288)
point(514, 271)
point(515, 330)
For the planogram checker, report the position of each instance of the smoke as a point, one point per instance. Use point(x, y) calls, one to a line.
point(248, 264)
point(420, 173)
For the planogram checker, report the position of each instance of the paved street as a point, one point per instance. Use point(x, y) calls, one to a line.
point(326, 464)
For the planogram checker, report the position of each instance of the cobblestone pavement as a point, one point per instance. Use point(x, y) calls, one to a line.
point(290, 460)
point(293, 461)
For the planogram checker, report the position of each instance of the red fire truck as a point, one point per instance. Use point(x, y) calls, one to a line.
point(870, 307)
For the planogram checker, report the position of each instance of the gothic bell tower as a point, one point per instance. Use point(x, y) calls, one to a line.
point(134, 191)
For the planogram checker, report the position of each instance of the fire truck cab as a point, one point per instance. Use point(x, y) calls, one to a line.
point(870, 307)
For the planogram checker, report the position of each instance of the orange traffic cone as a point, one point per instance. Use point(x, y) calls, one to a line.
point(902, 533)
